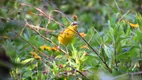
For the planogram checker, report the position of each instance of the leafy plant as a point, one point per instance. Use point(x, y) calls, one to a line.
point(107, 44)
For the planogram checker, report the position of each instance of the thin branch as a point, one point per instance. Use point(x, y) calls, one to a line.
point(82, 74)
point(39, 28)
point(79, 72)
point(102, 51)
point(123, 16)
point(116, 64)
point(48, 16)
point(22, 29)
point(60, 13)
point(32, 27)
point(117, 5)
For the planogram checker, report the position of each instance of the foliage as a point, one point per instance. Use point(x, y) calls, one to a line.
point(108, 40)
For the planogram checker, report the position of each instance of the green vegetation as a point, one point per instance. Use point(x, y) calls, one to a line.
point(107, 45)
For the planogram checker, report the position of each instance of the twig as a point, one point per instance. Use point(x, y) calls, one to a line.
point(22, 29)
point(123, 16)
point(102, 51)
point(116, 64)
point(60, 13)
point(82, 74)
point(48, 16)
point(117, 5)
point(79, 72)
point(32, 27)
point(38, 27)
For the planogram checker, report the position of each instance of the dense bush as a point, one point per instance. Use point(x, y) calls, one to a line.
point(107, 44)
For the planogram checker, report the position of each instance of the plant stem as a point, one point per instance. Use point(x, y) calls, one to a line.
point(80, 73)
point(115, 53)
point(102, 51)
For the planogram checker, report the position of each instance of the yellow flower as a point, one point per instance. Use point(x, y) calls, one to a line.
point(65, 37)
point(5, 37)
point(65, 78)
point(85, 53)
point(55, 48)
point(44, 47)
point(35, 55)
point(82, 34)
point(29, 12)
point(84, 47)
point(134, 25)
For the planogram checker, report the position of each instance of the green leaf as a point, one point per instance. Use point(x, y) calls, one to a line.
point(109, 51)
point(27, 61)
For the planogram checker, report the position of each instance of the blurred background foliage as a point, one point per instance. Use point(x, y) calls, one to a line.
point(106, 23)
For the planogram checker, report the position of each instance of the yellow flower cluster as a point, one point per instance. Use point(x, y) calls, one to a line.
point(35, 55)
point(134, 25)
point(82, 34)
point(54, 48)
point(44, 47)
point(84, 47)
point(5, 37)
point(131, 24)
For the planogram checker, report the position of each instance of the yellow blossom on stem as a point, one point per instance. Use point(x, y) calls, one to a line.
point(55, 48)
point(5, 37)
point(134, 25)
point(29, 12)
point(35, 55)
point(44, 47)
point(85, 53)
point(82, 34)
point(84, 47)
